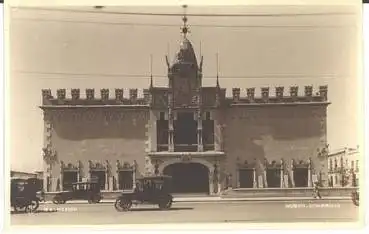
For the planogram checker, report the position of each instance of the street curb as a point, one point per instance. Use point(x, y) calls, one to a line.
point(230, 200)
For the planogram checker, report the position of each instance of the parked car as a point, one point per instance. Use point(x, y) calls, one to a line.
point(24, 195)
point(89, 191)
point(149, 190)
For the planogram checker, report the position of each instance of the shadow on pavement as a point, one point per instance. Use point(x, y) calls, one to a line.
point(157, 209)
point(35, 212)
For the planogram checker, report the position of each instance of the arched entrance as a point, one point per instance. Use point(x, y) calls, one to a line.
point(188, 177)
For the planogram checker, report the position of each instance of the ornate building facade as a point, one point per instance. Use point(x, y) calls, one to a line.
point(204, 139)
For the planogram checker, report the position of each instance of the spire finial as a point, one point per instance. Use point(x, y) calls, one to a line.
point(217, 57)
point(151, 79)
point(184, 18)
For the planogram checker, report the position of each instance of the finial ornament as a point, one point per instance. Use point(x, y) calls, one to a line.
point(217, 58)
point(184, 18)
point(151, 78)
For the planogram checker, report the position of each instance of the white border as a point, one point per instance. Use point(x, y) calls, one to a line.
point(252, 2)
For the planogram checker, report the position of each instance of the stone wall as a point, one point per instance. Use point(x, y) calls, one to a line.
point(99, 135)
point(275, 133)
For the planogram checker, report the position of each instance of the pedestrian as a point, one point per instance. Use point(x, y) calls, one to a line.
point(316, 192)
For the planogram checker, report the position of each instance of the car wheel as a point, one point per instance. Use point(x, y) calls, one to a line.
point(34, 205)
point(28, 209)
point(123, 204)
point(16, 209)
point(165, 203)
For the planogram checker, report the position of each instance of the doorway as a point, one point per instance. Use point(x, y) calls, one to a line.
point(300, 176)
point(99, 177)
point(274, 177)
point(246, 178)
point(188, 178)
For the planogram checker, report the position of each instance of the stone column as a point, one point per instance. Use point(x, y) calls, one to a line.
point(134, 177)
point(211, 189)
point(61, 179)
point(292, 175)
point(106, 180)
point(200, 146)
point(218, 180)
point(254, 185)
point(237, 178)
point(117, 175)
point(170, 131)
point(265, 177)
point(78, 173)
point(281, 174)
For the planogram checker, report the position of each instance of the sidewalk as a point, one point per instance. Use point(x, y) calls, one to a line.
point(223, 200)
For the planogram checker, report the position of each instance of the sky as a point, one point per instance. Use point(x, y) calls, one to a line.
point(90, 48)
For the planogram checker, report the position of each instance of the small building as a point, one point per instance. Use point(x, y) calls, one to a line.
point(343, 167)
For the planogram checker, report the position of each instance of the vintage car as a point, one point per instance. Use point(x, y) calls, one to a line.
point(89, 191)
point(24, 195)
point(355, 197)
point(148, 190)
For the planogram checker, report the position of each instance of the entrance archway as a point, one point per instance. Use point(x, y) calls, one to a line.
point(188, 177)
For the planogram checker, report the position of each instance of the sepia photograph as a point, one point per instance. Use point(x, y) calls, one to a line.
point(246, 114)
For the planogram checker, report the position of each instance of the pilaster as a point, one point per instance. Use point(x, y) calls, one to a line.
point(254, 185)
point(281, 174)
point(200, 146)
point(310, 184)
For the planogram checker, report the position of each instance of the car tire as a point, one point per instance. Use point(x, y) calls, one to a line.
point(58, 200)
point(122, 204)
point(165, 203)
point(34, 205)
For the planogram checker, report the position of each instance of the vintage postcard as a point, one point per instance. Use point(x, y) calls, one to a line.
point(186, 113)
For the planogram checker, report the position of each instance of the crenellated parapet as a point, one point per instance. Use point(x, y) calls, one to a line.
point(279, 96)
point(87, 97)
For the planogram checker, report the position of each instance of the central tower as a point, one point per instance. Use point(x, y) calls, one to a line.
point(184, 97)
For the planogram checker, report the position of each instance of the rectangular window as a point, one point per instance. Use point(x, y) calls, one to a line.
point(352, 164)
point(357, 165)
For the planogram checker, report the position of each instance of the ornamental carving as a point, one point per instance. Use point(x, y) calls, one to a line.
point(126, 166)
point(272, 165)
point(69, 167)
point(90, 94)
point(61, 94)
point(104, 94)
point(186, 158)
point(246, 164)
point(119, 94)
point(96, 166)
point(300, 164)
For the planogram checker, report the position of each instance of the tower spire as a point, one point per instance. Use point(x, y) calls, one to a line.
point(151, 79)
point(184, 19)
point(217, 58)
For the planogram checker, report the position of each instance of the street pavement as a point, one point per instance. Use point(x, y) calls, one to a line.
point(193, 212)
